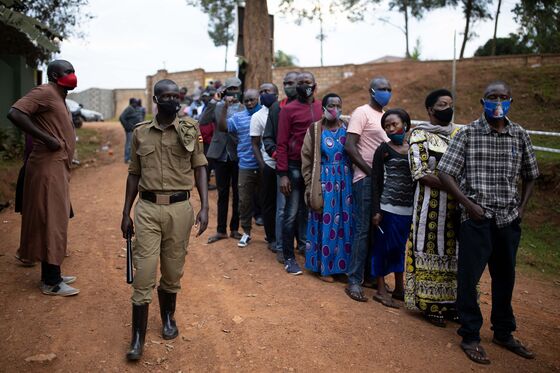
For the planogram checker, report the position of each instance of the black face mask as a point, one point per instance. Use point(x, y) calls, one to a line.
point(170, 107)
point(305, 90)
point(291, 91)
point(444, 115)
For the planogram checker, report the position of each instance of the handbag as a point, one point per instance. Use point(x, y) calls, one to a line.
point(316, 193)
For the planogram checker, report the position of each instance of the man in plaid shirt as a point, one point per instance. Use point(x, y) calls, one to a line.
point(481, 168)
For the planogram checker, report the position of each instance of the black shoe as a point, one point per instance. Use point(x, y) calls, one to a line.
point(167, 303)
point(139, 324)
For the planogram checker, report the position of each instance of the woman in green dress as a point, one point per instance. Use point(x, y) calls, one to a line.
point(431, 260)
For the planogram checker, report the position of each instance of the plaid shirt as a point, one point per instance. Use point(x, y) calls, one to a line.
point(488, 165)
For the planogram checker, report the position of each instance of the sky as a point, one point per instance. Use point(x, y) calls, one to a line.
point(130, 39)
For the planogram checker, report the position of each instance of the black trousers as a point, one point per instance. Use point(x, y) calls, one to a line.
point(268, 202)
point(210, 165)
point(50, 274)
point(482, 243)
point(226, 178)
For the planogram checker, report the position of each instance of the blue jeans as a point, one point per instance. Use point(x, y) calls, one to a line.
point(295, 213)
point(127, 144)
point(300, 230)
point(361, 198)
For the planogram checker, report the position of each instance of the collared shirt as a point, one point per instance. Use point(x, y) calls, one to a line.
point(240, 124)
point(165, 158)
point(258, 124)
point(488, 166)
point(231, 138)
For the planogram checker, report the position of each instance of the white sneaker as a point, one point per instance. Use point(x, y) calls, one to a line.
point(69, 279)
point(61, 289)
point(244, 241)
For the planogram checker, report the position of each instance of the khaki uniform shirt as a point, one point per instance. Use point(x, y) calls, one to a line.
point(165, 158)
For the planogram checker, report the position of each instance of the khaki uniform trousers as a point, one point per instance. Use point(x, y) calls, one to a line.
point(162, 233)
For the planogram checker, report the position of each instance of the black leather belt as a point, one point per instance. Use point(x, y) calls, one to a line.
point(165, 199)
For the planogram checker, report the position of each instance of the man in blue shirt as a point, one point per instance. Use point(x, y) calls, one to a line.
point(249, 174)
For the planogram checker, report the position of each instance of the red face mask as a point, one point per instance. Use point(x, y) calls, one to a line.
point(69, 81)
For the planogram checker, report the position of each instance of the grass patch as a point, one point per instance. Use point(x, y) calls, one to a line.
point(539, 250)
point(88, 143)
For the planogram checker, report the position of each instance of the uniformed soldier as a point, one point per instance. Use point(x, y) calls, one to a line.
point(165, 151)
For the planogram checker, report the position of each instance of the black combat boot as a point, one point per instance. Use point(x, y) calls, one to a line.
point(139, 324)
point(167, 310)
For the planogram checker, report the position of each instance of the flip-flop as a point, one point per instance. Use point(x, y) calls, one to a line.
point(475, 352)
point(356, 295)
point(236, 235)
point(386, 301)
point(398, 295)
point(217, 237)
point(516, 347)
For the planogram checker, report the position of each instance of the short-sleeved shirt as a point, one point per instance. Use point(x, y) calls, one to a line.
point(165, 158)
point(488, 166)
point(366, 123)
point(47, 110)
point(239, 124)
point(258, 124)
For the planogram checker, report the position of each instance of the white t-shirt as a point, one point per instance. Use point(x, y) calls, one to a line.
point(366, 122)
point(258, 123)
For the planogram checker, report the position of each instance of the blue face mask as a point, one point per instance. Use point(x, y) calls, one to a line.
point(267, 99)
point(496, 109)
point(397, 138)
point(381, 97)
point(254, 110)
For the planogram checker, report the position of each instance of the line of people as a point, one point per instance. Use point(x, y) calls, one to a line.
point(368, 195)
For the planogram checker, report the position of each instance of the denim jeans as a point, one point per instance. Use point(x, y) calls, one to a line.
point(482, 243)
point(127, 144)
point(295, 212)
point(361, 198)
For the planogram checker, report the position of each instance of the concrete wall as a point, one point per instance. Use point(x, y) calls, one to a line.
point(122, 97)
point(97, 99)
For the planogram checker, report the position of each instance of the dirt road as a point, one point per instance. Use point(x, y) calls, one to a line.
point(238, 311)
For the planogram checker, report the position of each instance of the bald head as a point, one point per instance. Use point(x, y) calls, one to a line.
point(497, 87)
point(164, 86)
point(58, 68)
point(379, 83)
point(268, 88)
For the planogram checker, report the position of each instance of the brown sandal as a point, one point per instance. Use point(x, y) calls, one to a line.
point(355, 294)
point(475, 352)
point(387, 301)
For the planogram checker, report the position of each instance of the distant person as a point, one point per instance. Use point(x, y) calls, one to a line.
point(163, 214)
point(194, 110)
point(185, 101)
point(481, 169)
point(431, 274)
point(130, 117)
point(364, 135)
point(46, 208)
point(268, 96)
point(293, 123)
point(392, 197)
point(223, 152)
point(141, 109)
point(269, 139)
point(239, 124)
point(327, 172)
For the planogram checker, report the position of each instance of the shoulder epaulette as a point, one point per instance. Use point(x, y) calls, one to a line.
point(142, 123)
point(189, 121)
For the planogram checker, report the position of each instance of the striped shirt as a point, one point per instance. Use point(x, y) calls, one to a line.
point(488, 166)
point(240, 124)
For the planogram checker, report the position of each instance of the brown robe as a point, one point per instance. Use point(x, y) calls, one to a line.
point(46, 198)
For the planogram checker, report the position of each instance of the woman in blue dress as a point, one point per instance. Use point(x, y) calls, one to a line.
point(324, 161)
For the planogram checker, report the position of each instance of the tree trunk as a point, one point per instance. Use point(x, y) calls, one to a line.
point(225, 59)
point(468, 13)
point(493, 53)
point(257, 44)
point(406, 28)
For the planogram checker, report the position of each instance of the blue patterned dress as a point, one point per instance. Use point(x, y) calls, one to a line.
point(329, 234)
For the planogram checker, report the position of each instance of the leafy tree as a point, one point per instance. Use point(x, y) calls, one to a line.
point(61, 18)
point(221, 15)
point(473, 10)
point(282, 59)
point(256, 66)
point(416, 51)
point(416, 8)
point(503, 46)
point(540, 24)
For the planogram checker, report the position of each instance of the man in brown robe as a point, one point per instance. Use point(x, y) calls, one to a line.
point(42, 114)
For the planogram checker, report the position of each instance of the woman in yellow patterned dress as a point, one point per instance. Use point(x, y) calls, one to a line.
point(431, 260)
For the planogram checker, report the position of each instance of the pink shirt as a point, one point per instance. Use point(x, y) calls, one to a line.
point(366, 123)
